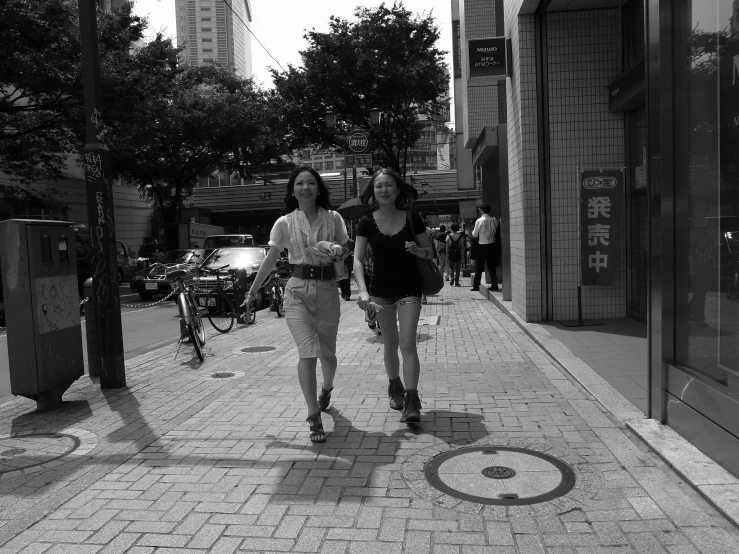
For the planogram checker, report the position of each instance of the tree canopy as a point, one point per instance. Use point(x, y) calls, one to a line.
point(386, 59)
point(165, 124)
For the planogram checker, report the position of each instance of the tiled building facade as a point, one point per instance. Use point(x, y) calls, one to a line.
point(635, 89)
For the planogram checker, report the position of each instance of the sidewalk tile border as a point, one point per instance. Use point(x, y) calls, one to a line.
point(713, 482)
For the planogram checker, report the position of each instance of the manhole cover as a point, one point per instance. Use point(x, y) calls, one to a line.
point(224, 375)
point(26, 451)
point(518, 477)
point(498, 472)
point(452, 475)
point(258, 349)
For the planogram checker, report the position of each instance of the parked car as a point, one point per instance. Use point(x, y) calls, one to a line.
point(227, 241)
point(246, 258)
point(152, 280)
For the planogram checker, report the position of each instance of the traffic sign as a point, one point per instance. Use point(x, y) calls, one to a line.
point(362, 160)
point(358, 141)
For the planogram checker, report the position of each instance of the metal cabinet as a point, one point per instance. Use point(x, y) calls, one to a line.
point(39, 274)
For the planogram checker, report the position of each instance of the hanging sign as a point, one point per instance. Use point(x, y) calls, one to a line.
point(601, 198)
point(487, 57)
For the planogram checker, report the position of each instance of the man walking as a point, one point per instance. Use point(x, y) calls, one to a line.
point(488, 250)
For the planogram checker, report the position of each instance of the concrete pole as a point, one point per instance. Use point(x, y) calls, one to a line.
point(101, 223)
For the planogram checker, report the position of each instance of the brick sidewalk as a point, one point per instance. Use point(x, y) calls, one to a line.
point(188, 463)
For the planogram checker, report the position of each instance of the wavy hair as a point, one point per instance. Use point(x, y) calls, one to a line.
point(323, 200)
point(406, 193)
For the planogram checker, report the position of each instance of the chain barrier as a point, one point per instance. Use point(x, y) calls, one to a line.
point(170, 295)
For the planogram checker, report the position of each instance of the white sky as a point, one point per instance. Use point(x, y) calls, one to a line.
point(281, 24)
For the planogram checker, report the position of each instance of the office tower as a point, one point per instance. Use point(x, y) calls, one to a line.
point(215, 31)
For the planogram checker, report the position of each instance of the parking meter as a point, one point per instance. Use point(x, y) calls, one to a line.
point(42, 308)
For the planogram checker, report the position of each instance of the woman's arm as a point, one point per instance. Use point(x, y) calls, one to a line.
point(360, 252)
point(264, 270)
point(422, 247)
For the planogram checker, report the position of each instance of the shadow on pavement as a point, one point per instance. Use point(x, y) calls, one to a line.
point(70, 413)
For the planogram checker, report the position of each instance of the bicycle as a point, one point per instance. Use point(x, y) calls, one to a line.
point(220, 309)
point(277, 293)
point(190, 318)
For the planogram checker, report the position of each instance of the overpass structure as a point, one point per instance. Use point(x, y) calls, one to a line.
point(254, 208)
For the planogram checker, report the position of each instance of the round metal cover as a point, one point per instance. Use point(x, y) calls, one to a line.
point(222, 375)
point(524, 476)
point(24, 451)
point(543, 470)
point(258, 349)
point(498, 472)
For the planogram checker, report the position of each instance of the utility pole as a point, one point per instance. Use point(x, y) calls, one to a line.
point(105, 280)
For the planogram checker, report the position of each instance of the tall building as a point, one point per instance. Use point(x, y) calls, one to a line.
point(215, 31)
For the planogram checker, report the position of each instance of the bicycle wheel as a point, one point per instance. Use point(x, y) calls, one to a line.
point(220, 311)
point(195, 341)
point(197, 319)
point(279, 301)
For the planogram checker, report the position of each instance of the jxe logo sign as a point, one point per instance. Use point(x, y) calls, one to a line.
point(358, 141)
point(599, 183)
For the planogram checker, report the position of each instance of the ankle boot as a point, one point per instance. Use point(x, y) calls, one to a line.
point(411, 407)
point(396, 391)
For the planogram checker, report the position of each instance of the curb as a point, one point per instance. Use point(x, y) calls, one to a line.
point(709, 479)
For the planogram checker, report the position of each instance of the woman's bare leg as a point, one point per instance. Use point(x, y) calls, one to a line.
point(307, 379)
point(389, 325)
point(408, 315)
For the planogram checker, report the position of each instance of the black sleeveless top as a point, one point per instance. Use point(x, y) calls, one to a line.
point(395, 270)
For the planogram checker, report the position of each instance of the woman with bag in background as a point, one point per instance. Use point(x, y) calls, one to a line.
point(397, 238)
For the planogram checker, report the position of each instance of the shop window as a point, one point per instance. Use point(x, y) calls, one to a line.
point(707, 226)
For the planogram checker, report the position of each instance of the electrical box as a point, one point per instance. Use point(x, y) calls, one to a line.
point(42, 308)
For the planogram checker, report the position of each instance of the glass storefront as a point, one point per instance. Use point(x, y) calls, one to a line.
point(707, 180)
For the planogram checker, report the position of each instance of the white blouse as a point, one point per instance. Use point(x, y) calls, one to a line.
point(292, 231)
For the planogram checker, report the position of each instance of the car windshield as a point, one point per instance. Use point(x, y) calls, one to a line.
point(222, 241)
point(177, 257)
point(236, 257)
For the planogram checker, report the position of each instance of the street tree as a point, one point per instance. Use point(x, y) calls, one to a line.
point(210, 119)
point(386, 59)
point(41, 92)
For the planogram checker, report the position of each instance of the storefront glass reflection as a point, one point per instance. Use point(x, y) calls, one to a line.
point(708, 241)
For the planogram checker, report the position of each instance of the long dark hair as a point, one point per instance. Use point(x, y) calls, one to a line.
point(406, 193)
point(323, 200)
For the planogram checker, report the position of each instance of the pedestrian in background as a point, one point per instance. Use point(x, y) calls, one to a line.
point(312, 305)
point(441, 251)
point(397, 236)
point(455, 253)
point(487, 253)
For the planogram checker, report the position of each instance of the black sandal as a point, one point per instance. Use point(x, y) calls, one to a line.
point(324, 399)
point(316, 428)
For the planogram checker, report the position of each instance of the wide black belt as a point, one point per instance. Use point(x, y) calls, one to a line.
point(321, 272)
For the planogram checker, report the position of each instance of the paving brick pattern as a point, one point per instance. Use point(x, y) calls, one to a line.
point(188, 464)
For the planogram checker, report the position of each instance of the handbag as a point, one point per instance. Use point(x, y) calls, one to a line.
point(432, 280)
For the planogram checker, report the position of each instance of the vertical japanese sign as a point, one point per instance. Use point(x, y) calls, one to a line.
point(601, 198)
point(456, 49)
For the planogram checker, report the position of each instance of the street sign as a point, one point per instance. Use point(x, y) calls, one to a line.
point(601, 196)
point(358, 141)
point(362, 160)
point(487, 57)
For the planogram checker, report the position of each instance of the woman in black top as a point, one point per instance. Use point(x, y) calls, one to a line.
point(396, 282)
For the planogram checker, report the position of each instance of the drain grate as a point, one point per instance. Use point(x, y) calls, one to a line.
point(222, 375)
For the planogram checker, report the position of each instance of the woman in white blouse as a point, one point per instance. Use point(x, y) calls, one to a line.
point(314, 236)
